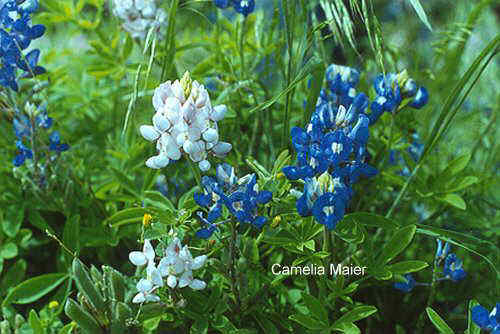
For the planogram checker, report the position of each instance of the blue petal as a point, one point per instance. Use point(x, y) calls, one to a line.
point(264, 196)
point(480, 316)
point(421, 98)
point(202, 199)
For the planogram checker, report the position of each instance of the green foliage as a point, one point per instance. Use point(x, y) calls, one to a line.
point(269, 69)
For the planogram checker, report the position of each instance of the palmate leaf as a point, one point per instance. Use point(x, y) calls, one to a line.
point(450, 108)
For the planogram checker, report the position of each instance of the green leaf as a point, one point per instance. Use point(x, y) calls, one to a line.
point(315, 308)
point(457, 165)
point(371, 220)
point(35, 323)
point(200, 326)
point(421, 13)
point(86, 321)
point(9, 251)
point(400, 240)
point(317, 78)
point(12, 220)
point(125, 181)
point(472, 328)
point(13, 276)
point(454, 200)
point(126, 216)
point(34, 288)
point(86, 286)
point(357, 313)
point(438, 322)
point(405, 267)
point(462, 184)
point(156, 199)
point(306, 321)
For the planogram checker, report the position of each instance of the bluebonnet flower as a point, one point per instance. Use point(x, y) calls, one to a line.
point(406, 286)
point(55, 143)
point(391, 90)
point(16, 34)
point(241, 197)
point(26, 125)
point(442, 249)
point(485, 320)
point(453, 268)
point(23, 154)
point(244, 7)
point(331, 150)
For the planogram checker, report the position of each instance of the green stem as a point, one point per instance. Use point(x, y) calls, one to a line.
point(241, 47)
point(232, 268)
point(327, 244)
point(432, 294)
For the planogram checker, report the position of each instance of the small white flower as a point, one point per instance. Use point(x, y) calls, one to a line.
point(139, 16)
point(141, 258)
point(146, 289)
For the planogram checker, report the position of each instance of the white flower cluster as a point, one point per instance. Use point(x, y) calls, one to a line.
point(184, 122)
point(177, 265)
point(139, 16)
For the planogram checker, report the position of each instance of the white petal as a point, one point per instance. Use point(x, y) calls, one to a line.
point(160, 122)
point(172, 281)
point(185, 254)
point(204, 165)
point(178, 91)
point(178, 266)
point(157, 161)
point(219, 112)
point(199, 261)
point(211, 135)
point(144, 285)
point(197, 285)
point(194, 133)
point(148, 250)
point(152, 298)
point(138, 258)
point(188, 146)
point(149, 132)
point(185, 279)
point(172, 109)
point(181, 139)
point(174, 248)
point(173, 152)
point(156, 277)
point(221, 148)
point(164, 267)
point(139, 298)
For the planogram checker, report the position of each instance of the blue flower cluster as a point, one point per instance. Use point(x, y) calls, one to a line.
point(240, 196)
point(489, 321)
point(392, 90)
point(452, 269)
point(25, 128)
point(244, 7)
point(16, 34)
point(331, 150)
